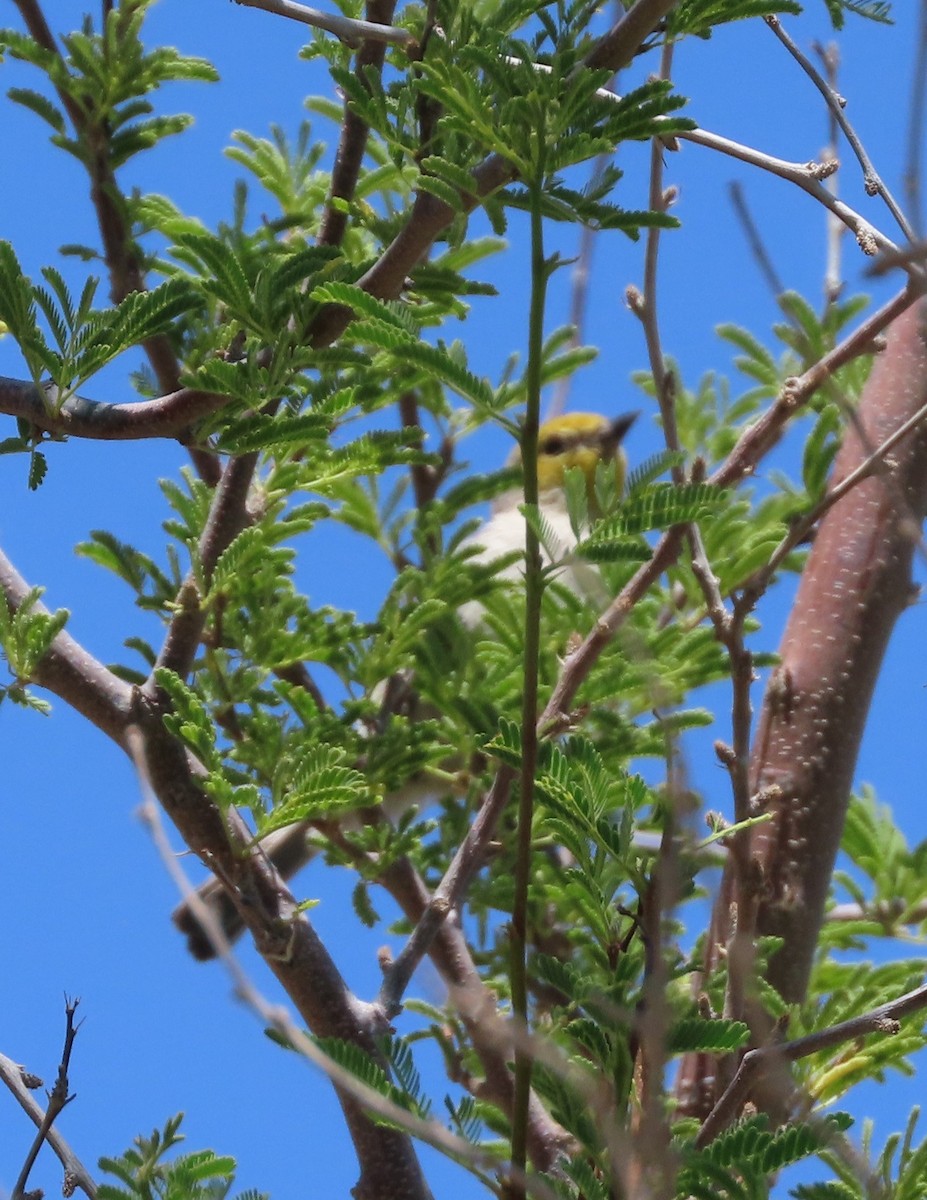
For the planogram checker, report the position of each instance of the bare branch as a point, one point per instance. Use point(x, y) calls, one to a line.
point(756, 441)
point(754, 240)
point(228, 516)
point(20, 1083)
point(885, 1020)
point(833, 279)
point(663, 380)
point(872, 180)
point(347, 29)
point(913, 175)
point(58, 1099)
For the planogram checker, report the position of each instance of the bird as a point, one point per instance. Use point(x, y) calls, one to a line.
point(582, 442)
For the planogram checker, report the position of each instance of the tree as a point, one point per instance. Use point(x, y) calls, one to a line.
point(303, 359)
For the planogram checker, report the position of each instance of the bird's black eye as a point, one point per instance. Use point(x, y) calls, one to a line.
point(553, 445)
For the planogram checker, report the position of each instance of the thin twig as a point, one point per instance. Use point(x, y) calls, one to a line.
point(808, 176)
point(760, 254)
point(755, 442)
point(729, 631)
point(58, 1099)
point(663, 379)
point(872, 180)
point(20, 1083)
point(833, 281)
point(884, 1019)
point(758, 583)
point(913, 175)
point(350, 31)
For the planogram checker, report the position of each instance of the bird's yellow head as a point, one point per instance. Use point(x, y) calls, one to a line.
point(580, 440)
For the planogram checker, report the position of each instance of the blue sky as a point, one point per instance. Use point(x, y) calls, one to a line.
point(84, 899)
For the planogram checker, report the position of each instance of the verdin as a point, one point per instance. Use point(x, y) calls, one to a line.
point(575, 440)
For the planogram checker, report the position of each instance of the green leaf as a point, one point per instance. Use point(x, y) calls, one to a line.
point(315, 784)
point(27, 633)
point(41, 106)
point(654, 506)
point(190, 720)
point(364, 305)
point(696, 1034)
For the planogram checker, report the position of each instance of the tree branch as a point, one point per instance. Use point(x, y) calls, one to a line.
point(872, 180)
point(78, 416)
point(856, 583)
point(349, 30)
point(354, 130)
point(885, 1019)
point(19, 1082)
point(283, 936)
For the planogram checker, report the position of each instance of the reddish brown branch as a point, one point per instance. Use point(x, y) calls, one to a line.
point(285, 939)
point(166, 416)
point(855, 585)
point(354, 132)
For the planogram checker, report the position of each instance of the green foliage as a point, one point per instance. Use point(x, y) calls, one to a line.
point(650, 507)
point(104, 76)
point(405, 1093)
point(317, 785)
point(738, 1163)
point(700, 17)
point(858, 1178)
point(26, 634)
point(383, 733)
point(144, 1172)
point(873, 10)
point(84, 339)
point(885, 878)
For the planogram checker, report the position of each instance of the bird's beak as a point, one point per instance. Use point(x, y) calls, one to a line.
point(614, 435)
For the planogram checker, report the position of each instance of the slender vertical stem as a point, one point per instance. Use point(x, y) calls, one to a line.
point(663, 379)
point(913, 181)
point(529, 733)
